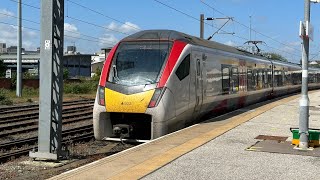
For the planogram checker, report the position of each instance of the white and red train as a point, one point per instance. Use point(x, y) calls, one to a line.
point(158, 81)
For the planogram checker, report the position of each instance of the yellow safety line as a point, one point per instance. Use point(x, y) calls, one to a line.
point(160, 160)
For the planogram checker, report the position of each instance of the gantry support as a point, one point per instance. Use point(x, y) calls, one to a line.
point(51, 81)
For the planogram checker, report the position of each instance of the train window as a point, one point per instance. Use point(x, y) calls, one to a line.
point(259, 79)
point(296, 77)
point(311, 78)
point(242, 80)
point(278, 78)
point(138, 63)
point(235, 80)
point(254, 79)
point(269, 78)
point(265, 78)
point(184, 68)
point(225, 80)
point(288, 80)
point(250, 80)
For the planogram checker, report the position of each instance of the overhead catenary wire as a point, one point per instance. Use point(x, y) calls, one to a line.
point(97, 12)
point(96, 25)
point(192, 17)
point(86, 22)
point(39, 30)
point(196, 19)
point(215, 9)
point(294, 55)
point(93, 39)
point(26, 4)
point(9, 15)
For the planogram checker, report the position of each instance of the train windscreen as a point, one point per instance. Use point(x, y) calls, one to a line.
point(138, 63)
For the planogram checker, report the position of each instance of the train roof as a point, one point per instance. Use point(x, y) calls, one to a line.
point(175, 35)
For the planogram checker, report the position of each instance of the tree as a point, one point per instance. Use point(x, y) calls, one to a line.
point(275, 56)
point(65, 73)
point(3, 69)
point(97, 74)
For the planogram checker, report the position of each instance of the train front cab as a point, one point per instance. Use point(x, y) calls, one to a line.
point(132, 100)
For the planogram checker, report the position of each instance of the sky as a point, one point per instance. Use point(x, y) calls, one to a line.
point(95, 24)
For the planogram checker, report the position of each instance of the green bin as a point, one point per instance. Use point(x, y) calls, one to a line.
point(313, 136)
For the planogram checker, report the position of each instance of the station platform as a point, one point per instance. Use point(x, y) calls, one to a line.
point(224, 147)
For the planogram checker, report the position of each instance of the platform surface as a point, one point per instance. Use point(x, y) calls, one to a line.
point(216, 149)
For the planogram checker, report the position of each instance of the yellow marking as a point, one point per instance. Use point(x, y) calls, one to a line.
point(253, 148)
point(312, 143)
point(150, 165)
point(133, 103)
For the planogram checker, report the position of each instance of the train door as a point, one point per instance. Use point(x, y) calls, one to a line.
point(182, 86)
point(199, 83)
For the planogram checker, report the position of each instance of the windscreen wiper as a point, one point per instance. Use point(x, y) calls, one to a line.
point(115, 74)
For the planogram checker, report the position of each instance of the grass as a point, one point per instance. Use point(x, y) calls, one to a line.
point(85, 89)
point(4, 98)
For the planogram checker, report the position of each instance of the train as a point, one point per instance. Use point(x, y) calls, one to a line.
point(155, 82)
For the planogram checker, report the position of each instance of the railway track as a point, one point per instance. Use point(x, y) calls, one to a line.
point(35, 115)
point(68, 119)
point(32, 107)
point(19, 120)
point(85, 134)
point(33, 110)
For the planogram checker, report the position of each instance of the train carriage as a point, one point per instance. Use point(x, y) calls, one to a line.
point(158, 81)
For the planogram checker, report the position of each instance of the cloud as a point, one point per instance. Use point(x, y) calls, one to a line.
point(110, 37)
point(71, 32)
point(296, 43)
point(127, 27)
point(108, 40)
point(230, 43)
point(3, 12)
point(291, 47)
point(8, 35)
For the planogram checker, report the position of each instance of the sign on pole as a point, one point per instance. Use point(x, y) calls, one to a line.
point(309, 30)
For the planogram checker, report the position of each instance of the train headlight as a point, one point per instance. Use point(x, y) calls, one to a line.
point(156, 97)
point(101, 96)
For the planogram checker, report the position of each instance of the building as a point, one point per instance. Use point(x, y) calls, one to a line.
point(71, 50)
point(29, 63)
point(78, 64)
point(98, 60)
point(3, 48)
point(13, 50)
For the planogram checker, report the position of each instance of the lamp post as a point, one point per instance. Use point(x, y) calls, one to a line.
point(304, 101)
point(19, 58)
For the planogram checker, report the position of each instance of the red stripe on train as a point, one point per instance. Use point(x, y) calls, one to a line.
point(106, 66)
point(177, 48)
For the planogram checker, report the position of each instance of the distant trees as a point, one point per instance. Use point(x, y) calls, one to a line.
point(97, 74)
point(65, 73)
point(3, 69)
point(275, 56)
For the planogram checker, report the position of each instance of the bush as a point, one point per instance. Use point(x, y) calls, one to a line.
point(28, 91)
point(86, 87)
point(4, 99)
